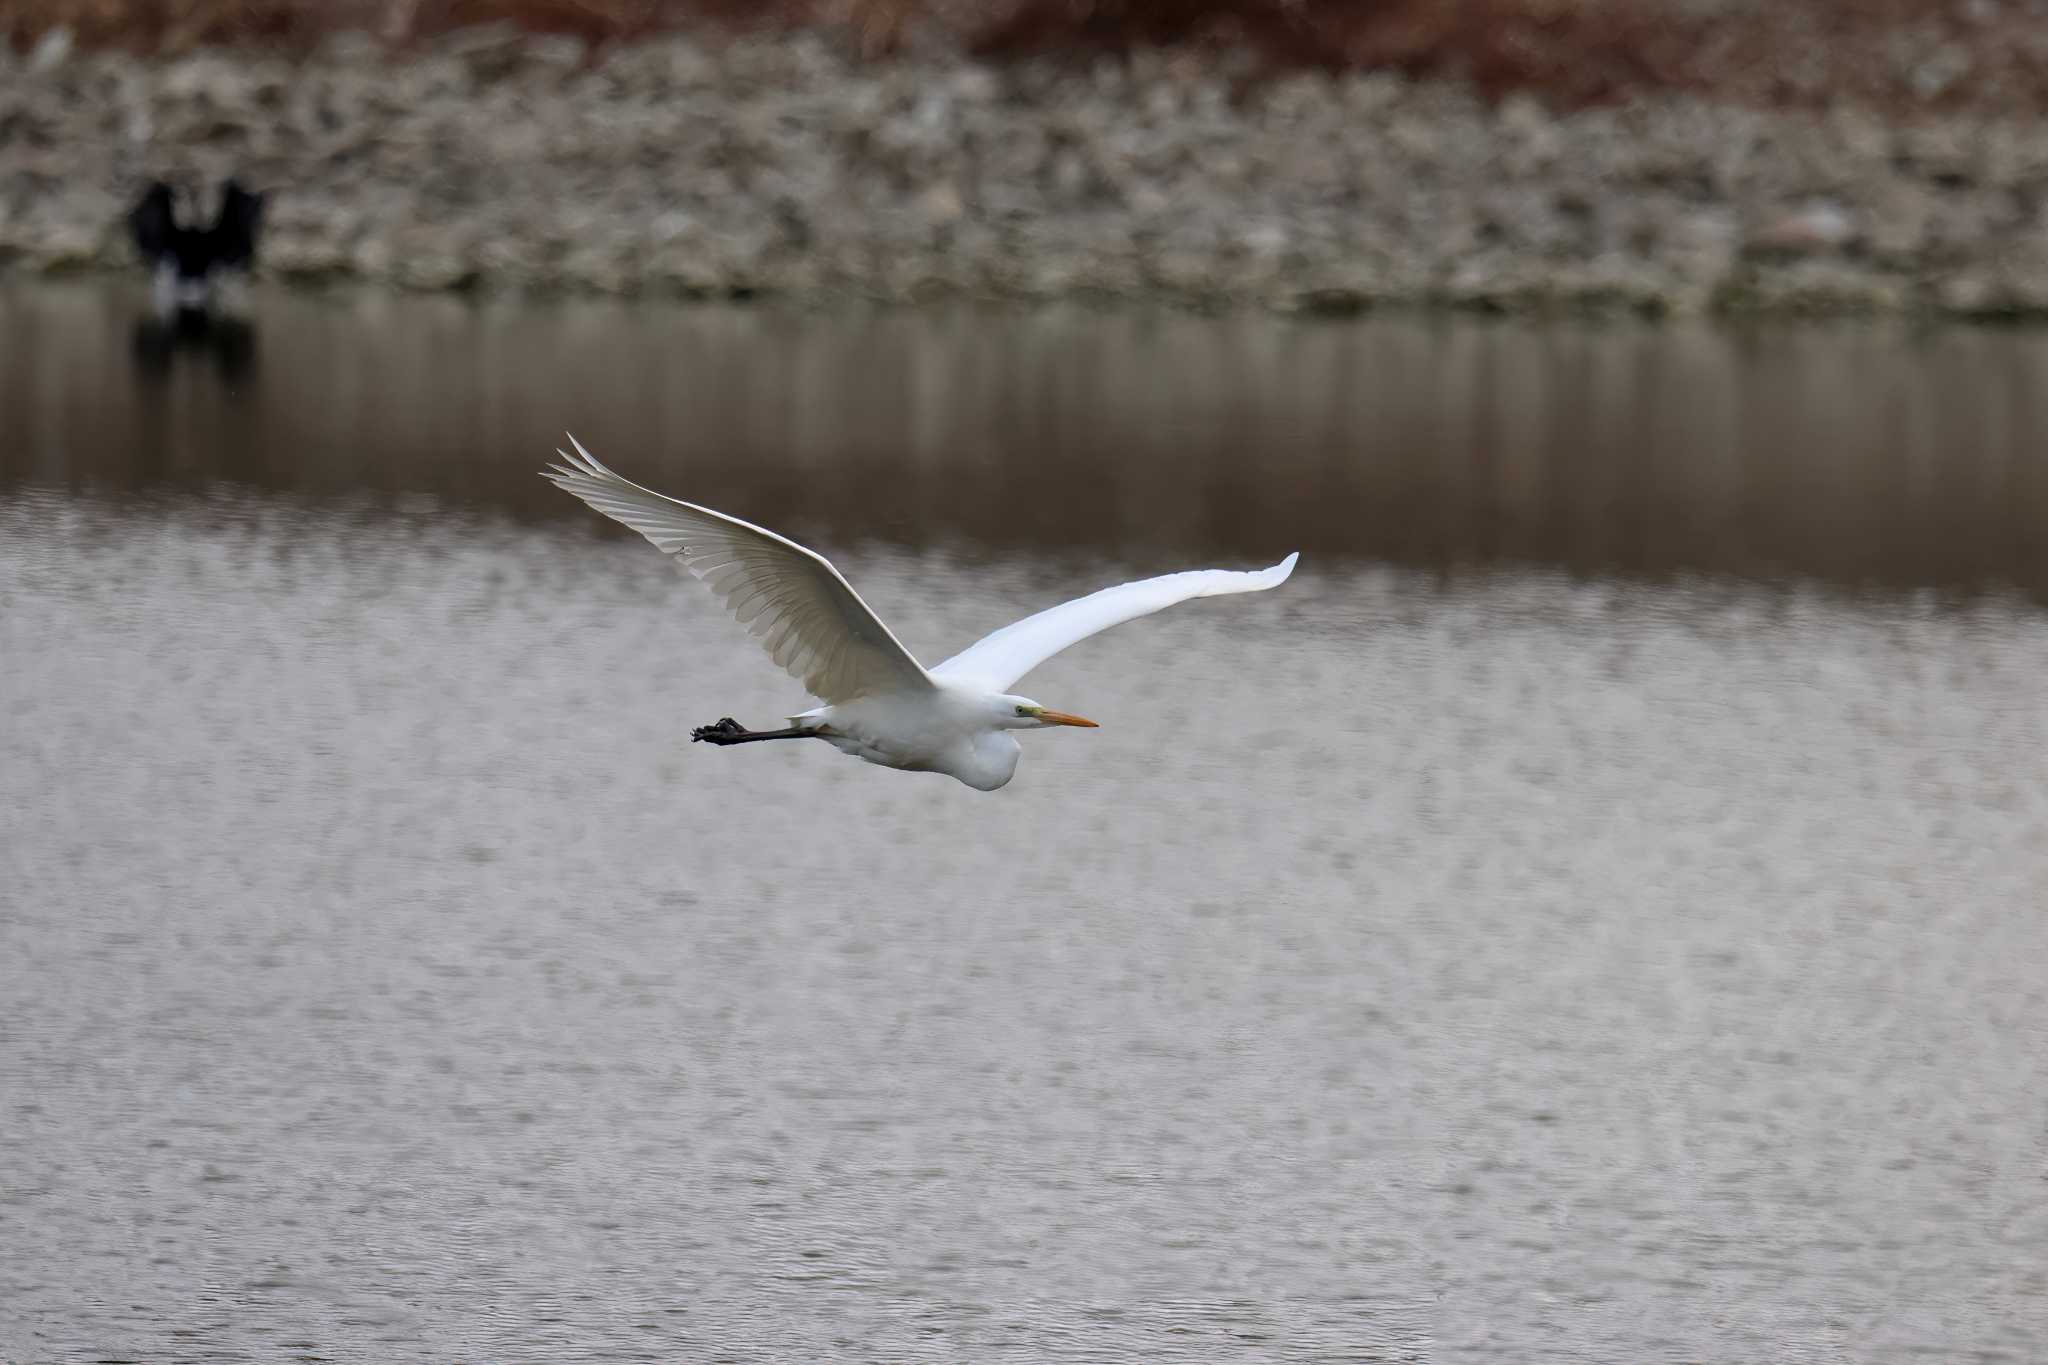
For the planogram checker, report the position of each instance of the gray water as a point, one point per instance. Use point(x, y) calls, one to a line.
point(1593, 912)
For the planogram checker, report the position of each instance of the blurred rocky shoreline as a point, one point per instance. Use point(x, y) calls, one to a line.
point(785, 165)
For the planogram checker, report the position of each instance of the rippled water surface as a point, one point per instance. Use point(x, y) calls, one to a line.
point(1594, 912)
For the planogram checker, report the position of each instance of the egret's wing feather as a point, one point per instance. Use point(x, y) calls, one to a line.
point(997, 661)
point(806, 615)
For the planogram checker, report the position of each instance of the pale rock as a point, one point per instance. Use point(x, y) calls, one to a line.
point(51, 51)
point(1815, 229)
point(940, 204)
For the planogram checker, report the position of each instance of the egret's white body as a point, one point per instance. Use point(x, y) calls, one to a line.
point(881, 705)
point(954, 729)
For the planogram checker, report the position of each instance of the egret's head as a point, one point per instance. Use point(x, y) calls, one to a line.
point(1022, 713)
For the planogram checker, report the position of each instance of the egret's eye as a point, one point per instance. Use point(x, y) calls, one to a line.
point(1023, 710)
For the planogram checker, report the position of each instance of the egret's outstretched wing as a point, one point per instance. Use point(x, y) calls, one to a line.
point(998, 660)
point(806, 615)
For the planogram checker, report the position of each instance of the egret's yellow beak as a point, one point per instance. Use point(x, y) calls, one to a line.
point(1062, 718)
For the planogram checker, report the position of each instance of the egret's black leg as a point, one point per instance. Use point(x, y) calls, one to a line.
point(730, 731)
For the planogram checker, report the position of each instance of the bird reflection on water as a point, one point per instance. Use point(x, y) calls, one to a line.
point(228, 343)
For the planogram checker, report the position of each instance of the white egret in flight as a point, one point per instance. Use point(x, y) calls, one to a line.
point(880, 704)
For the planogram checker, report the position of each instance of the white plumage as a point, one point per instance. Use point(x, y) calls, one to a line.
point(881, 705)
point(808, 617)
point(998, 660)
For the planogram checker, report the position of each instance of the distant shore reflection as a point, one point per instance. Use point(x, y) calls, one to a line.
point(1853, 453)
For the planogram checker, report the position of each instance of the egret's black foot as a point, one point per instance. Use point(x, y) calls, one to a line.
point(730, 731)
point(726, 731)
